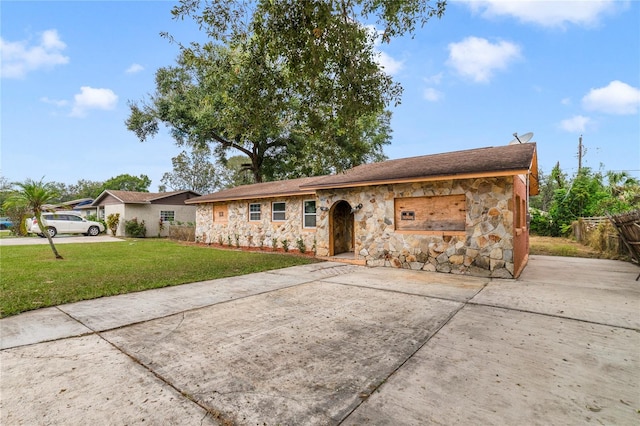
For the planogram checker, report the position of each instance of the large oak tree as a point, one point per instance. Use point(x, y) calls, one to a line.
point(282, 82)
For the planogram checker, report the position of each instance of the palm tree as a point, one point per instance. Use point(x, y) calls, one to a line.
point(35, 195)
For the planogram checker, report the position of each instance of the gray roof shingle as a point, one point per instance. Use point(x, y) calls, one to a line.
point(501, 160)
point(258, 190)
point(496, 160)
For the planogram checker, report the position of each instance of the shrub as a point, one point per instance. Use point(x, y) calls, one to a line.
point(541, 223)
point(285, 244)
point(94, 218)
point(113, 220)
point(301, 246)
point(135, 229)
point(274, 243)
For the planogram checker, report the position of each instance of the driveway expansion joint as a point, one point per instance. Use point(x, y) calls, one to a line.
point(558, 316)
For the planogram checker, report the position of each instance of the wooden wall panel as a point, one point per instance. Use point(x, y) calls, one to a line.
point(439, 213)
point(220, 213)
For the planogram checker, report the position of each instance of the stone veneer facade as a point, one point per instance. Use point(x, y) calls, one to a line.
point(255, 233)
point(484, 248)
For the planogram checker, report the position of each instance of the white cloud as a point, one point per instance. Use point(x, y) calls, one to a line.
point(575, 124)
point(548, 13)
point(90, 98)
point(432, 95)
point(478, 59)
point(56, 102)
point(390, 65)
point(434, 79)
point(18, 57)
point(616, 98)
point(134, 68)
point(565, 101)
point(386, 62)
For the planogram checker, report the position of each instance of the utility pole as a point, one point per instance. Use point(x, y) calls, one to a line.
point(581, 153)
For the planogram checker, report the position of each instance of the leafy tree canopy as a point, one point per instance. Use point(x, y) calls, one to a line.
point(128, 182)
point(193, 172)
point(282, 82)
point(587, 193)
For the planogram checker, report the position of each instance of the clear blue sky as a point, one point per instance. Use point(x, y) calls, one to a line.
point(487, 69)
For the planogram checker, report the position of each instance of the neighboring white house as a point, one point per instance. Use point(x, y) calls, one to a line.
point(152, 207)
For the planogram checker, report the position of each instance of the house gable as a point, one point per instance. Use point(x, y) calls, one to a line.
point(155, 209)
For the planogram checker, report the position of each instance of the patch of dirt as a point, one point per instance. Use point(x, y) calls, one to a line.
point(558, 246)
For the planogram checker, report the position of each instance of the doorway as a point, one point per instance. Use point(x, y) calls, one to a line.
point(341, 226)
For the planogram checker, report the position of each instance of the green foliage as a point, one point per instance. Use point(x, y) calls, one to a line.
point(274, 243)
point(294, 87)
point(235, 171)
point(193, 172)
point(127, 182)
point(587, 194)
point(285, 244)
point(95, 218)
point(541, 223)
point(301, 245)
point(32, 196)
point(135, 229)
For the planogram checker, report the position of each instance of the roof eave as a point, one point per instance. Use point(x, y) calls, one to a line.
point(250, 197)
point(419, 179)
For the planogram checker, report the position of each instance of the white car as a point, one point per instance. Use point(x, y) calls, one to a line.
point(64, 223)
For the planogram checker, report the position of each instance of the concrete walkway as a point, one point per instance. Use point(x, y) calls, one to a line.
point(328, 344)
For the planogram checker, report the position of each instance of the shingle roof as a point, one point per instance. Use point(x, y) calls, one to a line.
point(259, 190)
point(133, 197)
point(492, 161)
point(500, 160)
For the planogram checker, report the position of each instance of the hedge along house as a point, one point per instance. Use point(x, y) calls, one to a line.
point(462, 212)
point(152, 207)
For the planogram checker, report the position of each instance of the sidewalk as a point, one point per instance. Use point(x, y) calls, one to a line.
point(331, 343)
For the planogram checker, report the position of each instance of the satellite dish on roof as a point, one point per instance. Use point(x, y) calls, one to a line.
point(521, 139)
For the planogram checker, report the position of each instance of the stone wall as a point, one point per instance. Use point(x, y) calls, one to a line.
point(484, 248)
point(255, 233)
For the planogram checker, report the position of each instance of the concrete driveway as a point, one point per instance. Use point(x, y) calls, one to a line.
point(328, 344)
point(58, 239)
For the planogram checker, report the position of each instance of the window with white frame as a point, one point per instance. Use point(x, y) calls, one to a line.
point(254, 211)
point(278, 211)
point(309, 214)
point(167, 215)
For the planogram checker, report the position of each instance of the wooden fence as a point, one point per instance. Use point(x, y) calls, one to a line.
point(598, 233)
point(628, 227)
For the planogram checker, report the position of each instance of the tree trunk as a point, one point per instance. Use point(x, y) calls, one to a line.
point(46, 233)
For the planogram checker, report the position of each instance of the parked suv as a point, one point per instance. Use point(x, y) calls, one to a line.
point(64, 223)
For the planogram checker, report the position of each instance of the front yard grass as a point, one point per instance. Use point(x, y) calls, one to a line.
point(31, 278)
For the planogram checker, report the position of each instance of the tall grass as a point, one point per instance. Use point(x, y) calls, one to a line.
point(31, 278)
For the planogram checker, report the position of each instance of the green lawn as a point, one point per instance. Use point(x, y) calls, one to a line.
point(31, 278)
